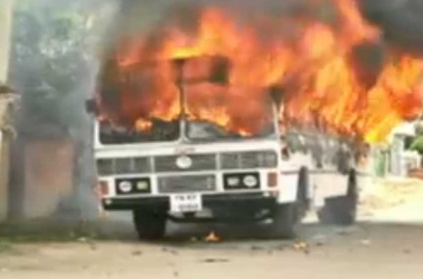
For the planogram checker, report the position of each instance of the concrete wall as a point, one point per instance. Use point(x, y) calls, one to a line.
point(6, 7)
point(48, 176)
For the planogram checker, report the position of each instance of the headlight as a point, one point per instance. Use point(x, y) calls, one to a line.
point(125, 186)
point(241, 181)
point(233, 182)
point(250, 181)
point(142, 186)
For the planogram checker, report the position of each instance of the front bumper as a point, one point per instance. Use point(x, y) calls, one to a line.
point(257, 199)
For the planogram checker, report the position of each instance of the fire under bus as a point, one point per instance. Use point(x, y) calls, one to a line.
point(190, 170)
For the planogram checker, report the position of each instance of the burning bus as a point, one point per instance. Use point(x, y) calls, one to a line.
point(219, 115)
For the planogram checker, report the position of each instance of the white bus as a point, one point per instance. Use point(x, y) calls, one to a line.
point(195, 171)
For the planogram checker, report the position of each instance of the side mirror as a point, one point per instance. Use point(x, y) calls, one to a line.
point(91, 106)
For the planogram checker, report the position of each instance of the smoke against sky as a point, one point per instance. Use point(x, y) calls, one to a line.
point(400, 20)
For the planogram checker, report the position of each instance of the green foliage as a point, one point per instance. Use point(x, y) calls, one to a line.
point(417, 144)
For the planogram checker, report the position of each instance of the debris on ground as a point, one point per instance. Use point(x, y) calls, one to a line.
point(170, 251)
point(256, 248)
point(212, 237)
point(215, 260)
point(302, 246)
point(365, 242)
point(136, 253)
point(320, 239)
point(281, 247)
point(93, 246)
point(345, 231)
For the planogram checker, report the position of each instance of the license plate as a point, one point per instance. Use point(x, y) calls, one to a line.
point(180, 203)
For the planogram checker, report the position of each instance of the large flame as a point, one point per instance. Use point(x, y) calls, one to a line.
point(333, 70)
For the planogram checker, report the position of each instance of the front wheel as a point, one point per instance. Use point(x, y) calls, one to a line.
point(149, 224)
point(285, 220)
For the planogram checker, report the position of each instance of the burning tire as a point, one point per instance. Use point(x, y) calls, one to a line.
point(341, 210)
point(285, 220)
point(149, 224)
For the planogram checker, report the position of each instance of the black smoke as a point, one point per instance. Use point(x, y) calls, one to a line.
point(401, 22)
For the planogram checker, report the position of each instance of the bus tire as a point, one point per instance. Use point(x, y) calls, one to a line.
point(149, 224)
point(341, 210)
point(285, 220)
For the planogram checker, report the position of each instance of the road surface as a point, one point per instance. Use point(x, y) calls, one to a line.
point(387, 243)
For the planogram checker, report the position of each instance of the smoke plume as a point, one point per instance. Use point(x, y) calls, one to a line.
point(400, 20)
point(54, 63)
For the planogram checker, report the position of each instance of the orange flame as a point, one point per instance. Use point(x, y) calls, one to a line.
point(324, 67)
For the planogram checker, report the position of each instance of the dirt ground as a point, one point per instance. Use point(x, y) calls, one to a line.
point(386, 243)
